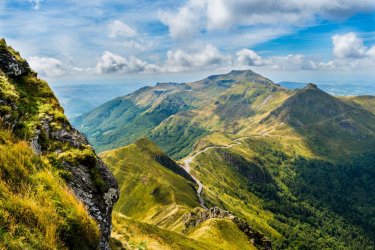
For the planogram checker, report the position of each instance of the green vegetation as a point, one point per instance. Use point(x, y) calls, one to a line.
point(37, 210)
point(176, 116)
point(131, 234)
point(38, 148)
point(151, 214)
point(296, 165)
point(296, 201)
point(154, 193)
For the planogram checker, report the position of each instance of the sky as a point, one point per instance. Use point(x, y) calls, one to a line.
point(149, 41)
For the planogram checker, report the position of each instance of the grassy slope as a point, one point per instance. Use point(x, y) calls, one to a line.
point(154, 194)
point(36, 208)
point(132, 234)
point(154, 202)
point(182, 112)
point(332, 128)
point(286, 199)
point(367, 102)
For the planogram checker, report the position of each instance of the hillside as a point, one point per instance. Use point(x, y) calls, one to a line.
point(55, 192)
point(186, 112)
point(161, 204)
point(279, 159)
point(330, 126)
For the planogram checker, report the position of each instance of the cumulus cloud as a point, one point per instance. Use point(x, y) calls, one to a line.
point(120, 29)
point(349, 54)
point(195, 15)
point(186, 21)
point(247, 57)
point(206, 57)
point(350, 46)
point(47, 66)
point(112, 63)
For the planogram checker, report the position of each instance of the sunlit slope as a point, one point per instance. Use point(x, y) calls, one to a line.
point(365, 101)
point(182, 112)
point(151, 192)
point(213, 234)
point(156, 199)
point(37, 208)
point(331, 127)
point(295, 201)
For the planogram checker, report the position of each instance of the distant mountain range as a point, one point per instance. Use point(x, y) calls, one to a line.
point(297, 165)
point(337, 89)
point(80, 99)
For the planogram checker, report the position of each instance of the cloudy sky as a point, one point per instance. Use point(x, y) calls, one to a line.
point(77, 41)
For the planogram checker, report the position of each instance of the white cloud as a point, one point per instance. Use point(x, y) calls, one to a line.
point(47, 66)
point(247, 57)
point(350, 54)
point(196, 15)
point(112, 63)
point(350, 46)
point(120, 29)
point(186, 21)
point(204, 58)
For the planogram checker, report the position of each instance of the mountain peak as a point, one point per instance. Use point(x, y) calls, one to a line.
point(243, 72)
point(311, 86)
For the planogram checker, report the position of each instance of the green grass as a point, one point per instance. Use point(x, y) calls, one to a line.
point(154, 193)
point(286, 196)
point(130, 234)
point(176, 116)
point(221, 234)
point(37, 210)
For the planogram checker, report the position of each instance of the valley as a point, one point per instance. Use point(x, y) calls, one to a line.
point(251, 149)
point(187, 125)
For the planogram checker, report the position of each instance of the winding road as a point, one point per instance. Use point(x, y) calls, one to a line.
point(190, 159)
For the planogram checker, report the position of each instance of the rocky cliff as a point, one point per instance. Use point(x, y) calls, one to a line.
point(30, 110)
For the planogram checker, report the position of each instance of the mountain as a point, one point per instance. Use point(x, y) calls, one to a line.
point(324, 122)
point(78, 99)
point(160, 203)
point(183, 112)
point(356, 89)
point(55, 191)
point(295, 165)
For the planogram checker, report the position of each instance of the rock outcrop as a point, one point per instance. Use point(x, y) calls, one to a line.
point(195, 218)
point(33, 113)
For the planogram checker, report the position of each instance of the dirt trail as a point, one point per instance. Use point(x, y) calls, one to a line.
point(190, 159)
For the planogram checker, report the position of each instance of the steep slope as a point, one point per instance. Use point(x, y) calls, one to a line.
point(297, 165)
point(330, 126)
point(183, 112)
point(297, 202)
point(161, 203)
point(32, 115)
point(157, 191)
point(365, 101)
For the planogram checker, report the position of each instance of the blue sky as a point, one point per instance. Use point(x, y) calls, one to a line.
point(147, 41)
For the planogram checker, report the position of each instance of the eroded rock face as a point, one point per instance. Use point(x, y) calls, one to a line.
point(98, 200)
point(10, 65)
point(91, 181)
point(193, 219)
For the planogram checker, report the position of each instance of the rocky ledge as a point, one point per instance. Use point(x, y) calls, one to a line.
point(195, 218)
point(92, 183)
